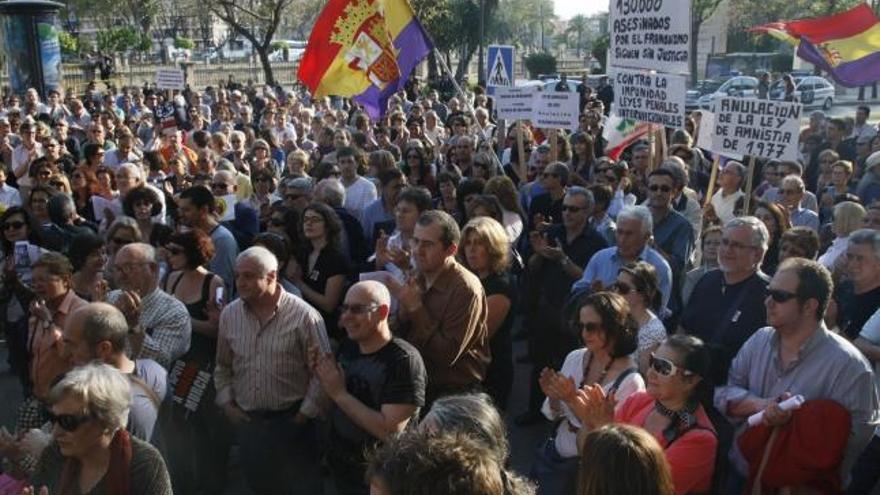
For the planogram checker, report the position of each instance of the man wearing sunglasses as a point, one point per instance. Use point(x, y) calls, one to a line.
point(379, 390)
point(791, 193)
point(797, 354)
point(673, 234)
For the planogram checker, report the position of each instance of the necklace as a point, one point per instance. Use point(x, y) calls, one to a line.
point(679, 421)
point(602, 375)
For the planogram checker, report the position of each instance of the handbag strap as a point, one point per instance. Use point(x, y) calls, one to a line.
point(756, 486)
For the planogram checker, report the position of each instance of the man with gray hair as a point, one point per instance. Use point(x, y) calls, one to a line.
point(859, 296)
point(99, 332)
point(332, 193)
point(264, 384)
point(559, 253)
point(791, 192)
point(726, 201)
point(727, 305)
point(380, 391)
point(632, 239)
point(298, 193)
point(160, 326)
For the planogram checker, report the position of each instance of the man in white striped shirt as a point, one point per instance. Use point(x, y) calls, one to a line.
point(263, 380)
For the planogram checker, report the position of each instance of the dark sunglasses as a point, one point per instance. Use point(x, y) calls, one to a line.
point(220, 185)
point(121, 242)
point(780, 296)
point(358, 309)
point(589, 327)
point(621, 289)
point(665, 367)
point(656, 188)
point(70, 422)
point(15, 224)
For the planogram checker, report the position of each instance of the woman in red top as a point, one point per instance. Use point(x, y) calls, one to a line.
point(670, 410)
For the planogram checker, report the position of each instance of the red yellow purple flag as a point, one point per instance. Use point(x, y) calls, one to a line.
point(364, 49)
point(846, 45)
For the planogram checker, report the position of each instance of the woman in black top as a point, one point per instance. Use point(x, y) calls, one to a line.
point(192, 427)
point(323, 267)
point(486, 252)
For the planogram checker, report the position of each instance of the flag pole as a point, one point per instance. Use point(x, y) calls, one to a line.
point(465, 101)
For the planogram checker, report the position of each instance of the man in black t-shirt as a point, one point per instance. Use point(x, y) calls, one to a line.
point(375, 388)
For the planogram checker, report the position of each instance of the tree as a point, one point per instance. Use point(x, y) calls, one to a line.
point(700, 11)
point(599, 50)
point(182, 43)
point(259, 20)
point(750, 13)
point(69, 43)
point(540, 63)
point(116, 40)
point(578, 28)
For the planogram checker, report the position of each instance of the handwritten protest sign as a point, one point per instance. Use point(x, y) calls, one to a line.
point(169, 79)
point(650, 34)
point(556, 109)
point(514, 103)
point(652, 98)
point(761, 128)
point(706, 132)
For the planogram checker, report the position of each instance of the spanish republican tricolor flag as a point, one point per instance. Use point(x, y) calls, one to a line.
point(846, 45)
point(364, 49)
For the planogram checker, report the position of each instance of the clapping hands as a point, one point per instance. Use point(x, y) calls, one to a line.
point(592, 406)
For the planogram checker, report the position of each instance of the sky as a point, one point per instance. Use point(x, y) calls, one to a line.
point(566, 9)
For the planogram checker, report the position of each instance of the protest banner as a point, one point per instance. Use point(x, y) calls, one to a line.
point(170, 79)
point(650, 34)
point(705, 133)
point(556, 110)
point(760, 128)
point(653, 98)
point(514, 103)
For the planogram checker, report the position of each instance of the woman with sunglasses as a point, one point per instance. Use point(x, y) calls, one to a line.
point(637, 283)
point(264, 183)
point(15, 292)
point(193, 437)
point(605, 362)
point(672, 410)
point(91, 451)
point(93, 156)
point(323, 267)
point(41, 171)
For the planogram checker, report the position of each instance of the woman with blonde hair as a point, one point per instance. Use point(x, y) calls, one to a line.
point(297, 164)
point(485, 250)
point(848, 216)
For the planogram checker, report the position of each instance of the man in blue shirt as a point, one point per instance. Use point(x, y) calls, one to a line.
point(791, 192)
point(634, 227)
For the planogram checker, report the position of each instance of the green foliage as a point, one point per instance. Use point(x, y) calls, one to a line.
point(600, 50)
point(750, 13)
point(540, 63)
point(278, 45)
point(69, 43)
point(182, 43)
point(518, 23)
point(119, 39)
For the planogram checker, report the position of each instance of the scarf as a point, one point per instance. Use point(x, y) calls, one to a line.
point(680, 421)
point(118, 477)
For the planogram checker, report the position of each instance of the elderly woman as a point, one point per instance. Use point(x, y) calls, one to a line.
point(91, 451)
point(297, 164)
point(847, 219)
point(637, 283)
point(486, 252)
point(605, 362)
point(800, 242)
point(671, 410)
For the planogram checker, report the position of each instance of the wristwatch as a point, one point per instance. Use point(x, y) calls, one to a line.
point(566, 261)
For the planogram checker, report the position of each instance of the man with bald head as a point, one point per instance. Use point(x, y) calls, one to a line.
point(99, 331)
point(380, 389)
point(160, 327)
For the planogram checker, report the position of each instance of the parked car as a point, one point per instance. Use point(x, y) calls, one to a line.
point(739, 86)
point(811, 91)
point(551, 85)
point(703, 87)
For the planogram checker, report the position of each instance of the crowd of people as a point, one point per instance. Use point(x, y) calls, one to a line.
point(248, 276)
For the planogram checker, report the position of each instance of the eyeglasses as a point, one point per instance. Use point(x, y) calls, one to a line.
point(780, 296)
point(621, 288)
point(120, 241)
point(70, 422)
point(665, 367)
point(334, 173)
point(734, 244)
point(128, 267)
point(663, 188)
point(39, 201)
point(220, 186)
point(572, 209)
point(358, 309)
point(589, 327)
point(15, 224)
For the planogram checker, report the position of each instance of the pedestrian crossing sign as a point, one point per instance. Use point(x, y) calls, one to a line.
point(499, 66)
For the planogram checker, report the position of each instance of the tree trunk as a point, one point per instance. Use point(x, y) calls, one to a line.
point(432, 65)
point(464, 62)
point(263, 55)
point(695, 33)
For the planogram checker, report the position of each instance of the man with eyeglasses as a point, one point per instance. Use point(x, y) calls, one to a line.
point(264, 383)
point(246, 221)
point(791, 192)
point(797, 355)
point(159, 324)
point(377, 391)
point(560, 253)
point(727, 305)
